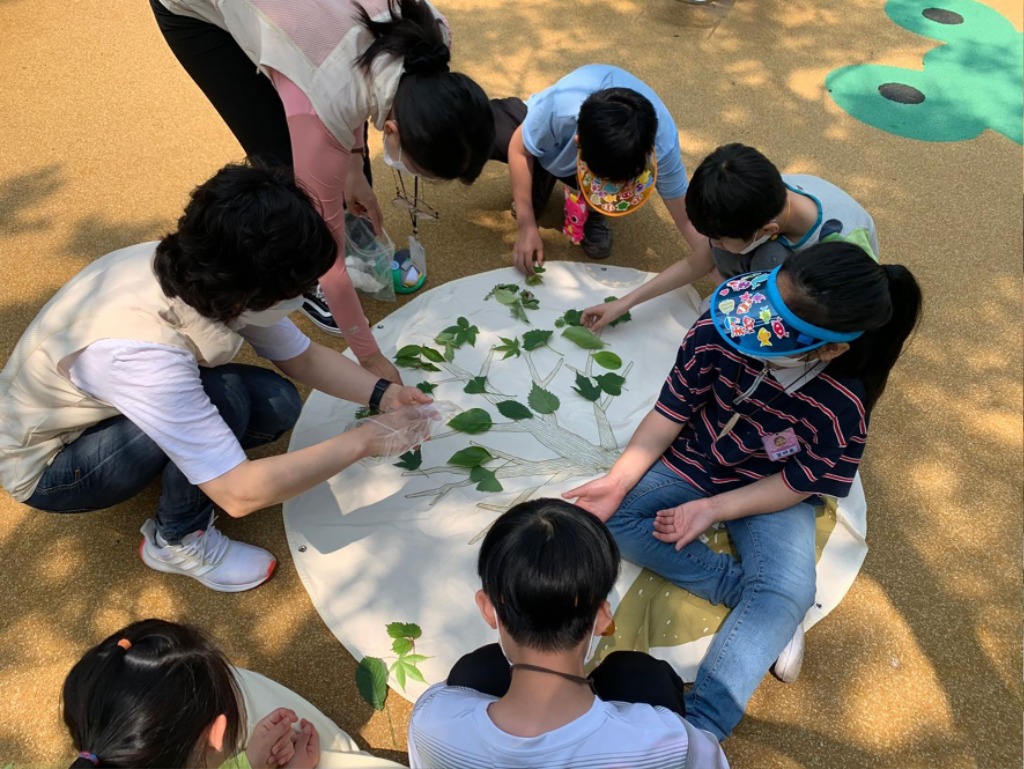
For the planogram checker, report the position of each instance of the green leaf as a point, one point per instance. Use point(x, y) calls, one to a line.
point(476, 386)
point(509, 346)
point(514, 410)
point(449, 351)
point(611, 383)
point(467, 334)
point(586, 387)
point(462, 322)
point(539, 269)
point(571, 318)
point(410, 460)
point(534, 280)
point(560, 323)
point(372, 681)
point(412, 671)
point(409, 351)
point(607, 359)
point(431, 354)
point(448, 335)
point(401, 646)
point(534, 339)
point(474, 456)
point(542, 401)
point(429, 367)
point(484, 479)
point(426, 387)
point(473, 421)
point(407, 362)
point(365, 412)
point(518, 312)
point(530, 302)
point(415, 659)
point(398, 667)
point(583, 337)
point(505, 296)
point(404, 630)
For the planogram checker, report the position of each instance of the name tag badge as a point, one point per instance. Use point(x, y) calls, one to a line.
point(781, 445)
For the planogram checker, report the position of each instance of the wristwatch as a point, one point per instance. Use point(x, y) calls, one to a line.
point(378, 392)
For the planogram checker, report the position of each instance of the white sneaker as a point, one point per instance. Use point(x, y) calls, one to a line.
point(209, 557)
point(791, 660)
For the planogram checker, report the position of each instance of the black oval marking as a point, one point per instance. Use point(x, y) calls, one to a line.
point(901, 93)
point(942, 16)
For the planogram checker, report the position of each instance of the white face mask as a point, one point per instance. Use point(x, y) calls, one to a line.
point(272, 314)
point(788, 361)
point(392, 161)
point(591, 647)
point(755, 243)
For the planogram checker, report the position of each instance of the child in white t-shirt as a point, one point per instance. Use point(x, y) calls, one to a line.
point(547, 568)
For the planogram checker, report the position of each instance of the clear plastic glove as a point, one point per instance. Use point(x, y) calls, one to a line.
point(396, 432)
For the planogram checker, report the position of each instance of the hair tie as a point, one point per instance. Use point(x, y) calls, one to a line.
point(425, 57)
point(90, 757)
point(125, 644)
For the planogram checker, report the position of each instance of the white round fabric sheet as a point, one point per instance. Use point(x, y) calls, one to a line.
point(380, 544)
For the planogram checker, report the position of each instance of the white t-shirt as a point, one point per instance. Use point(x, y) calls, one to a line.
point(158, 388)
point(450, 729)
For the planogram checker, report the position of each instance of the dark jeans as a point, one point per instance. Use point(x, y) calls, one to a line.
point(621, 677)
point(245, 99)
point(114, 460)
point(509, 114)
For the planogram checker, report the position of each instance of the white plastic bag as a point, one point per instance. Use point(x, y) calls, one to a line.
point(368, 258)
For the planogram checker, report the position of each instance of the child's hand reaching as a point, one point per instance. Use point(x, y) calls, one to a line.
point(271, 743)
point(307, 747)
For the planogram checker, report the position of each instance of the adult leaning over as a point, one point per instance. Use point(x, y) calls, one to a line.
point(323, 69)
point(126, 374)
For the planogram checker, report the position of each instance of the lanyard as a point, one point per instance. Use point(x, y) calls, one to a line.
point(745, 395)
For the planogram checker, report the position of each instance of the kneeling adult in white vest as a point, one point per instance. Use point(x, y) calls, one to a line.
point(126, 374)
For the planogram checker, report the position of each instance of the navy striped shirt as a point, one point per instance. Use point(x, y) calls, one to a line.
point(827, 415)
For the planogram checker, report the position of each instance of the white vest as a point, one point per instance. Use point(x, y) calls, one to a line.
point(314, 43)
point(115, 297)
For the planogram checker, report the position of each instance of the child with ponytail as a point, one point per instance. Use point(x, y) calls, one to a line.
point(159, 694)
point(766, 409)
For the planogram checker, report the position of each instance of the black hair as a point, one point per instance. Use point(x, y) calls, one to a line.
point(840, 287)
point(547, 566)
point(444, 118)
point(248, 239)
point(734, 192)
point(616, 128)
point(151, 704)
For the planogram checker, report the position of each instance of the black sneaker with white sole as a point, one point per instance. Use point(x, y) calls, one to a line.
point(314, 306)
point(597, 236)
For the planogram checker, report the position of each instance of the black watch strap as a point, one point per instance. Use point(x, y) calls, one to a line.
point(378, 392)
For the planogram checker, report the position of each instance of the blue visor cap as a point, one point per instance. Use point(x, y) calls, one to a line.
point(749, 314)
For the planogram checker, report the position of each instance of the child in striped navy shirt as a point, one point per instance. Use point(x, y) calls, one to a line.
point(767, 408)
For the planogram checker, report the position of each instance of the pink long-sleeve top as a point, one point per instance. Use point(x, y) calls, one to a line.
point(321, 166)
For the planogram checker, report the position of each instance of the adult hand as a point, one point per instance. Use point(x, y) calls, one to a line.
point(600, 497)
point(377, 364)
point(397, 396)
point(307, 747)
point(271, 742)
point(529, 248)
point(683, 524)
point(361, 199)
point(394, 433)
point(600, 315)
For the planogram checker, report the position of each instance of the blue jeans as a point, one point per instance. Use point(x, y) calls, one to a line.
point(114, 460)
point(769, 589)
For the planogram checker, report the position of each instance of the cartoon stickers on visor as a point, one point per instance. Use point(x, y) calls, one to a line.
point(751, 316)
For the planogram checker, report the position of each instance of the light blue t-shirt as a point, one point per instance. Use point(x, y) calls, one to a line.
point(550, 125)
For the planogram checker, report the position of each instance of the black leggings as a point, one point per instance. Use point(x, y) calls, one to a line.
point(621, 677)
point(244, 98)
